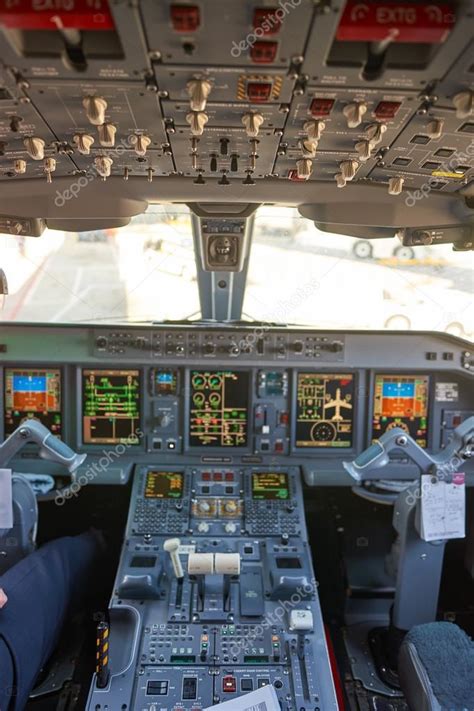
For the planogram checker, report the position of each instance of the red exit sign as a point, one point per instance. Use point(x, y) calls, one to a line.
point(398, 21)
point(54, 14)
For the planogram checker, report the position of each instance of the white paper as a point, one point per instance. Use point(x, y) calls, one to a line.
point(443, 508)
point(6, 502)
point(264, 699)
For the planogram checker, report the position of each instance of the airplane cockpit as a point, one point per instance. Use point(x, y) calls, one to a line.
point(236, 355)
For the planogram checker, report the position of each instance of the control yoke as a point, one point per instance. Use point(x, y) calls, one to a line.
point(367, 465)
point(51, 448)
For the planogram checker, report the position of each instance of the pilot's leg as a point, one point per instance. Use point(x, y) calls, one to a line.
point(39, 589)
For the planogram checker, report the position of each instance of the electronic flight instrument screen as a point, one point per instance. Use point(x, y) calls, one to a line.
point(270, 486)
point(324, 410)
point(219, 408)
point(401, 401)
point(164, 485)
point(111, 406)
point(33, 393)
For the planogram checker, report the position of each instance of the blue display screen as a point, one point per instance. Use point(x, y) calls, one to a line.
point(29, 384)
point(398, 389)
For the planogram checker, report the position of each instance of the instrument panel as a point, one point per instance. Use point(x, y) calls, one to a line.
point(177, 408)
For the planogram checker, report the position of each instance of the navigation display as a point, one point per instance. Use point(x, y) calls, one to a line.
point(401, 401)
point(270, 486)
point(164, 485)
point(324, 410)
point(111, 406)
point(33, 393)
point(219, 408)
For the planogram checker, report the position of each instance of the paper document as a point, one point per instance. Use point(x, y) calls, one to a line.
point(264, 699)
point(443, 508)
point(6, 503)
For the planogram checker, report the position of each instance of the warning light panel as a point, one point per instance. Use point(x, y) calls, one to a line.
point(401, 401)
point(33, 393)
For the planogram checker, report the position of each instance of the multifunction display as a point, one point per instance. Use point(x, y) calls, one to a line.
point(33, 393)
point(164, 381)
point(324, 410)
point(164, 485)
point(219, 408)
point(270, 486)
point(401, 401)
point(111, 406)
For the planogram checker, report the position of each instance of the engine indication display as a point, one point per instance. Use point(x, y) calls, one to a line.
point(111, 406)
point(219, 408)
point(401, 401)
point(324, 411)
point(270, 486)
point(33, 393)
point(164, 485)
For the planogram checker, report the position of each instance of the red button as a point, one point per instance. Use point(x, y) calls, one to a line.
point(387, 109)
point(185, 18)
point(264, 52)
point(259, 92)
point(265, 19)
point(217, 476)
point(321, 107)
point(229, 476)
point(206, 476)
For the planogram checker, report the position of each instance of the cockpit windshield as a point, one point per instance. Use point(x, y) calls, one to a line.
point(297, 274)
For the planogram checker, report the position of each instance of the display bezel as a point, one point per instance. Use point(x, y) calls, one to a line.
point(187, 412)
point(325, 451)
point(99, 446)
point(33, 366)
point(411, 373)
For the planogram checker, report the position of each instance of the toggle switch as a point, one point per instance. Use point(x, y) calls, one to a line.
point(34, 147)
point(435, 128)
point(140, 143)
point(304, 168)
point(19, 166)
point(364, 150)
point(314, 129)
point(213, 163)
point(374, 132)
point(464, 103)
point(49, 166)
point(107, 133)
point(354, 113)
point(348, 169)
point(308, 148)
point(95, 108)
point(197, 120)
point(223, 146)
point(198, 91)
point(234, 163)
point(252, 122)
point(395, 185)
point(83, 143)
point(103, 165)
point(341, 182)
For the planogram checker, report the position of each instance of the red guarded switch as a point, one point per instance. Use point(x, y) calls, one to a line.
point(293, 175)
point(321, 107)
point(229, 685)
point(259, 92)
point(374, 21)
point(264, 52)
point(185, 18)
point(266, 20)
point(386, 110)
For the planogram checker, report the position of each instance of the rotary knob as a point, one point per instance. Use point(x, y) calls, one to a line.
point(95, 108)
point(197, 120)
point(198, 91)
point(34, 147)
point(354, 113)
point(464, 103)
point(230, 528)
point(203, 527)
point(314, 129)
point(308, 148)
point(230, 507)
point(348, 169)
point(49, 166)
point(83, 143)
point(364, 150)
point(435, 128)
point(395, 185)
point(140, 143)
point(374, 132)
point(19, 166)
point(103, 165)
point(252, 122)
point(304, 168)
point(341, 182)
point(204, 506)
point(107, 135)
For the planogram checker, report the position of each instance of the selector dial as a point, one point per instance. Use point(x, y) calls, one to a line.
point(34, 147)
point(95, 108)
point(197, 120)
point(395, 185)
point(19, 166)
point(308, 148)
point(230, 507)
point(354, 113)
point(304, 168)
point(464, 103)
point(198, 91)
point(314, 129)
point(348, 169)
point(364, 150)
point(374, 132)
point(103, 165)
point(140, 143)
point(252, 122)
point(49, 166)
point(341, 182)
point(83, 143)
point(230, 528)
point(107, 135)
point(204, 507)
point(203, 527)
